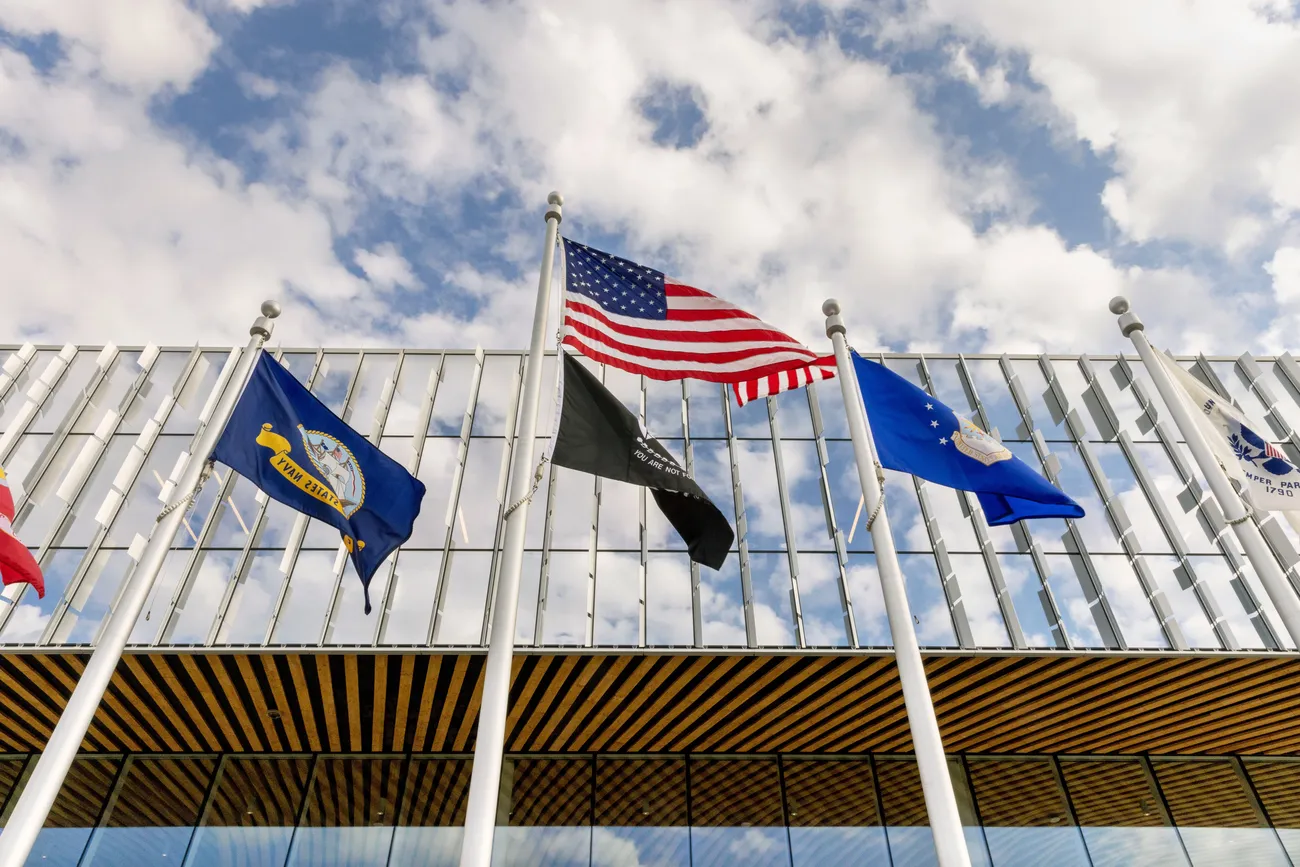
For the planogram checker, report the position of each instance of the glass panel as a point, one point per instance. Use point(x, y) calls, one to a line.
point(376, 369)
point(947, 385)
point(641, 813)
point(253, 599)
point(868, 602)
point(979, 601)
point(712, 471)
point(75, 812)
point(1047, 413)
point(75, 378)
point(705, 410)
point(146, 625)
point(995, 395)
point(904, 510)
point(722, 607)
point(453, 395)
point(1095, 527)
point(437, 470)
point(433, 814)
point(1118, 389)
point(930, 612)
point(1030, 599)
point(253, 813)
point(736, 814)
point(1176, 497)
point(833, 815)
point(1215, 817)
point(1232, 593)
point(1128, 601)
point(664, 408)
point(351, 806)
point(495, 394)
point(1176, 583)
point(819, 595)
point(409, 395)
point(474, 523)
point(548, 807)
point(153, 817)
point(200, 600)
point(948, 507)
point(830, 400)
point(10, 770)
point(762, 500)
point(1278, 787)
point(302, 617)
point(1024, 814)
point(804, 486)
point(1146, 527)
point(1288, 402)
point(1082, 398)
point(30, 617)
point(411, 603)
point(618, 594)
point(620, 518)
point(668, 597)
point(81, 528)
point(773, 622)
point(468, 575)
point(194, 393)
point(351, 624)
point(846, 496)
point(566, 599)
point(1121, 816)
point(911, 844)
point(1084, 618)
point(574, 503)
point(793, 415)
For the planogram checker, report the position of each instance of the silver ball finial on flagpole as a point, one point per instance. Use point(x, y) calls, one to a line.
point(834, 324)
point(263, 325)
point(1128, 320)
point(554, 203)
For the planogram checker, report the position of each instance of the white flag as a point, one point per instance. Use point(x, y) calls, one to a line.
point(1261, 469)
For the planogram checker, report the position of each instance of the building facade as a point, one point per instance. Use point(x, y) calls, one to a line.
point(1112, 690)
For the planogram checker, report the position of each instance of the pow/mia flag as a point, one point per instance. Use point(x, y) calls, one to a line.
point(596, 434)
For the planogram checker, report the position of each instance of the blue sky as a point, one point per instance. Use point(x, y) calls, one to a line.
point(976, 175)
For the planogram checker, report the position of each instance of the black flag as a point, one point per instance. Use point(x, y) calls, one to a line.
point(598, 435)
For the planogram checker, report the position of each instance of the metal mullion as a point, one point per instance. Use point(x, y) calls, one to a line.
point(948, 580)
point(54, 371)
point(453, 502)
point(1021, 528)
point(1059, 775)
point(832, 528)
point(1260, 810)
point(303, 807)
point(1149, 771)
point(1204, 594)
point(791, 544)
point(245, 559)
point(742, 526)
point(92, 551)
point(17, 362)
point(544, 576)
point(341, 567)
point(591, 563)
point(643, 535)
point(1206, 506)
point(688, 449)
point(420, 435)
point(508, 457)
point(209, 797)
point(1051, 468)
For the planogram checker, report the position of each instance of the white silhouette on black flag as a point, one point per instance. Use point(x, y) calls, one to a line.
point(596, 434)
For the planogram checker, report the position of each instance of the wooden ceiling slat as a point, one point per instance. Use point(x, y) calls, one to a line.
point(647, 702)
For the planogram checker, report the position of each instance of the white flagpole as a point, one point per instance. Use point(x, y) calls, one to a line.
point(936, 782)
point(38, 795)
point(485, 779)
point(1234, 510)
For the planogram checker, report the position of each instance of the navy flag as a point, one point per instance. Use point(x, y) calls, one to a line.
point(915, 433)
point(289, 444)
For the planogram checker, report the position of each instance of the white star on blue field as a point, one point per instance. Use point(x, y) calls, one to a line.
point(976, 176)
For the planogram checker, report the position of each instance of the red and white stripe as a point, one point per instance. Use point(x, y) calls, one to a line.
point(703, 337)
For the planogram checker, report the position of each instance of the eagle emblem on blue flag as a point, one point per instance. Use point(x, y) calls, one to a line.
point(974, 443)
point(338, 466)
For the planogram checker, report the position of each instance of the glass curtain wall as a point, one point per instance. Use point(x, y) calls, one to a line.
point(663, 810)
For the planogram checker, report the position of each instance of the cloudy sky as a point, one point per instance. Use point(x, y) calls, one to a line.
point(963, 174)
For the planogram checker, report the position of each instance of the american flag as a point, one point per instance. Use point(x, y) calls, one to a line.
point(634, 318)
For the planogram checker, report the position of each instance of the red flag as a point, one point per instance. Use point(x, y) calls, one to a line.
point(17, 565)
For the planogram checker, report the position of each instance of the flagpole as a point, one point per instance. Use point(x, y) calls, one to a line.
point(489, 743)
point(936, 782)
point(1234, 510)
point(28, 817)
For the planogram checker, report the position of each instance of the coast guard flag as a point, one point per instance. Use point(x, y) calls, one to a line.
point(289, 444)
point(915, 433)
point(17, 565)
point(1258, 467)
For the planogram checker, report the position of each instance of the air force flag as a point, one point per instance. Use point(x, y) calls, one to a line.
point(288, 443)
point(915, 433)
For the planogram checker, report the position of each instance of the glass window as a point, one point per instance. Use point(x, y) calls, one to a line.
point(833, 815)
point(565, 616)
point(30, 617)
point(1117, 387)
point(722, 607)
point(641, 813)
point(803, 482)
point(819, 596)
point(351, 808)
point(930, 613)
point(1025, 817)
point(497, 392)
point(1215, 816)
point(199, 601)
point(1120, 813)
point(766, 530)
point(792, 414)
point(154, 814)
point(979, 601)
point(1030, 598)
point(10, 770)
point(704, 405)
point(664, 408)
point(1142, 518)
point(76, 810)
point(1085, 620)
point(468, 576)
point(773, 620)
point(911, 843)
point(846, 496)
point(736, 815)
point(618, 595)
point(432, 819)
point(620, 515)
point(453, 395)
point(995, 395)
point(1177, 584)
point(529, 583)
point(254, 810)
point(1044, 409)
point(1177, 498)
point(868, 602)
point(830, 400)
point(949, 510)
point(1128, 600)
point(1278, 786)
point(547, 803)
point(410, 393)
point(350, 624)
point(668, 600)
point(253, 599)
point(1083, 398)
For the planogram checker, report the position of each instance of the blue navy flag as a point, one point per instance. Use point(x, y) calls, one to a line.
point(916, 433)
point(289, 444)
